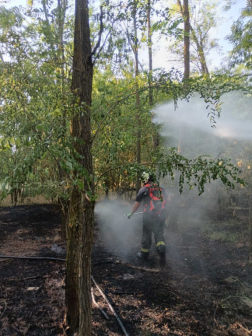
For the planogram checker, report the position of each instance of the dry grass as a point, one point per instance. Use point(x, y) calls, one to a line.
point(27, 201)
point(39, 199)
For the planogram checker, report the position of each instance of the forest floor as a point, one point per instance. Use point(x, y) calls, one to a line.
point(205, 288)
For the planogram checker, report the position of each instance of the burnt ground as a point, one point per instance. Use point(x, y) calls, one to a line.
point(205, 288)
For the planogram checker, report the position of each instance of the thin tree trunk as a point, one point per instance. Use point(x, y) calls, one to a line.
point(72, 263)
point(185, 12)
point(81, 211)
point(150, 52)
point(62, 7)
point(138, 119)
point(44, 3)
point(200, 50)
point(201, 54)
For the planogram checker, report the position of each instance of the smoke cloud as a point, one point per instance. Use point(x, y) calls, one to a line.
point(193, 116)
point(120, 235)
point(188, 129)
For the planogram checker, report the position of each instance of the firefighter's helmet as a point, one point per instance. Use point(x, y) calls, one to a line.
point(147, 177)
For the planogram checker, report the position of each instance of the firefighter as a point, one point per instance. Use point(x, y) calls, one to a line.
point(154, 216)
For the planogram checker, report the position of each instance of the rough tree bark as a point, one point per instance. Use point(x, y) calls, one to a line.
point(81, 210)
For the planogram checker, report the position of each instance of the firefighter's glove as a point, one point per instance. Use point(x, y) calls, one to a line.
point(129, 215)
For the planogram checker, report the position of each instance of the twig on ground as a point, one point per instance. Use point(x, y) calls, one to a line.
point(97, 305)
point(246, 329)
point(63, 329)
point(94, 264)
point(126, 264)
point(153, 270)
point(111, 308)
point(35, 277)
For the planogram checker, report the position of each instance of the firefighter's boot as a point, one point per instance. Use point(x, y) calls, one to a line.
point(143, 255)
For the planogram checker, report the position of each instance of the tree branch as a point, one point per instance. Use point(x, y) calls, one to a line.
point(100, 34)
point(110, 306)
point(132, 47)
point(99, 52)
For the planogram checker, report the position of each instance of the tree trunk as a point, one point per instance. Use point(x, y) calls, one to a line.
point(138, 120)
point(72, 263)
point(81, 210)
point(150, 52)
point(186, 40)
point(200, 51)
point(201, 54)
point(51, 37)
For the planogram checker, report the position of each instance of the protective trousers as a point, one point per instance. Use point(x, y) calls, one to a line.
point(153, 223)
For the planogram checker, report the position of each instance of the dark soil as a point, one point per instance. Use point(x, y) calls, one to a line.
point(205, 288)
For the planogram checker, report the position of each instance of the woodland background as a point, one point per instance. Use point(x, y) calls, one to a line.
point(78, 115)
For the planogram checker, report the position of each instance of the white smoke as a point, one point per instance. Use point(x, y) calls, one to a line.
point(193, 115)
